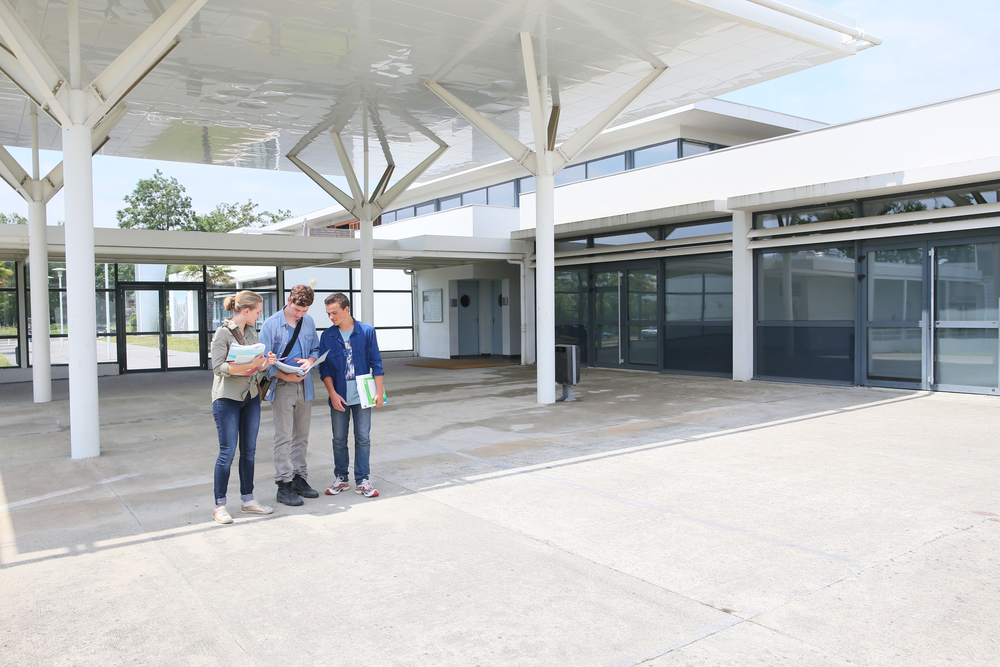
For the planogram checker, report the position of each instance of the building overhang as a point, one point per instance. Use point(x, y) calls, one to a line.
point(669, 215)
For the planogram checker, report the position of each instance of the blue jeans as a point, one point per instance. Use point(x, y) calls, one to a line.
point(362, 445)
point(237, 422)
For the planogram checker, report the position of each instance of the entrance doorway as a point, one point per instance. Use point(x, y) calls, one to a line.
point(163, 326)
point(468, 317)
point(626, 317)
point(931, 316)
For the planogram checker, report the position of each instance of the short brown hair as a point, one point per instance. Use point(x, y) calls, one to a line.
point(340, 299)
point(302, 295)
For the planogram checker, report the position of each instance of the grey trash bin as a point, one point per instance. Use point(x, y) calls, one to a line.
point(567, 369)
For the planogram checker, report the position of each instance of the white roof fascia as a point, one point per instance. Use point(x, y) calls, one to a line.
point(878, 185)
point(705, 210)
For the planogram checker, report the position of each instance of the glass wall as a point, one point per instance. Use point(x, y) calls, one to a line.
point(806, 304)
point(698, 314)
point(572, 310)
point(9, 352)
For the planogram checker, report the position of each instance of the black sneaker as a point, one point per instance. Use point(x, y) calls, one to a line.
point(286, 496)
point(301, 487)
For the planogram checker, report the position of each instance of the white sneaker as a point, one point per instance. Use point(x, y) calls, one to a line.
point(338, 486)
point(256, 508)
point(221, 515)
point(365, 488)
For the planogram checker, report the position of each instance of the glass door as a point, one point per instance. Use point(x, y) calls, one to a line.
point(163, 326)
point(607, 319)
point(894, 318)
point(965, 301)
point(641, 318)
point(142, 327)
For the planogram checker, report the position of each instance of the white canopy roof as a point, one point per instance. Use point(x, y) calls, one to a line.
point(253, 80)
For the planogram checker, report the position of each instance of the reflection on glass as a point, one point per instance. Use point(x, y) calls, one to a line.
point(107, 349)
point(474, 197)
point(645, 157)
point(606, 306)
point(527, 184)
point(702, 229)
point(806, 285)
point(929, 201)
point(142, 310)
point(966, 357)
point(9, 357)
point(691, 148)
point(182, 310)
point(804, 216)
point(606, 166)
point(579, 244)
point(183, 351)
point(606, 345)
point(8, 313)
point(577, 172)
point(451, 202)
point(142, 352)
point(895, 285)
point(966, 283)
point(8, 275)
point(106, 313)
point(606, 279)
point(502, 195)
point(699, 289)
point(387, 217)
point(642, 345)
point(404, 213)
point(242, 277)
point(568, 308)
point(625, 239)
point(701, 349)
point(424, 209)
point(895, 354)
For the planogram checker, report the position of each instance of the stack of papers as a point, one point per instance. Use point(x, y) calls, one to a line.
point(244, 354)
point(366, 391)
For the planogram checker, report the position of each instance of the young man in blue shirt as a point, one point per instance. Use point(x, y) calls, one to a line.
point(353, 351)
point(290, 394)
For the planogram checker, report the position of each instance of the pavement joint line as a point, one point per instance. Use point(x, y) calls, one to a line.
point(648, 506)
point(63, 492)
point(697, 635)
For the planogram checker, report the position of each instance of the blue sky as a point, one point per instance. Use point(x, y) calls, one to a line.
point(933, 51)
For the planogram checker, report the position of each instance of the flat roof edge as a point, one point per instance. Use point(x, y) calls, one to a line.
point(945, 175)
point(694, 211)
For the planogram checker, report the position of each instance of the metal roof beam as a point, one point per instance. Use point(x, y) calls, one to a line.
point(44, 76)
point(342, 197)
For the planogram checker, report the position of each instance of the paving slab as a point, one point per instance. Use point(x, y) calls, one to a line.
point(658, 520)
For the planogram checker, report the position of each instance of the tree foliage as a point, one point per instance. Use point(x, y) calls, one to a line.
point(157, 203)
point(12, 219)
point(160, 203)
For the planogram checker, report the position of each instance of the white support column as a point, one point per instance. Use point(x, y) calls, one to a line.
point(38, 267)
point(545, 286)
point(367, 268)
point(81, 296)
point(743, 298)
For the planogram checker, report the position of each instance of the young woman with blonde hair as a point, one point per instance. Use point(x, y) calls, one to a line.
point(236, 402)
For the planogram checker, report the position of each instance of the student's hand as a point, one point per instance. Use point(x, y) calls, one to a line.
point(305, 364)
point(259, 362)
point(291, 377)
point(271, 358)
point(379, 399)
point(338, 402)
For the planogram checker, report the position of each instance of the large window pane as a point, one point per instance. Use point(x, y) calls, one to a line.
point(699, 289)
point(9, 353)
point(107, 315)
point(527, 184)
point(606, 166)
point(394, 340)
point(8, 313)
point(806, 285)
point(806, 352)
point(895, 354)
point(929, 201)
point(319, 278)
point(183, 351)
point(572, 174)
point(966, 357)
point(424, 209)
point(967, 282)
point(391, 279)
point(502, 195)
point(701, 349)
point(642, 345)
point(644, 157)
point(182, 310)
point(895, 285)
point(692, 148)
point(393, 309)
point(644, 236)
point(474, 197)
point(701, 229)
point(451, 202)
point(8, 274)
point(804, 216)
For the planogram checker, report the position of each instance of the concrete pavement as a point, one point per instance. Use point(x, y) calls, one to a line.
point(659, 520)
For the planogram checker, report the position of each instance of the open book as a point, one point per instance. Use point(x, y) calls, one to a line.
point(290, 368)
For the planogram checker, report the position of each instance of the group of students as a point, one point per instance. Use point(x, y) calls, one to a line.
point(351, 350)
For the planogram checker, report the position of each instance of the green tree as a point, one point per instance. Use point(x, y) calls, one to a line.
point(157, 203)
point(12, 219)
point(227, 217)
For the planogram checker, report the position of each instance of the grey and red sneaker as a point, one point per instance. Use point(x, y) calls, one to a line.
point(365, 488)
point(339, 485)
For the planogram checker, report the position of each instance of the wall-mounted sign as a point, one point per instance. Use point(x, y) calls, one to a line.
point(432, 306)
